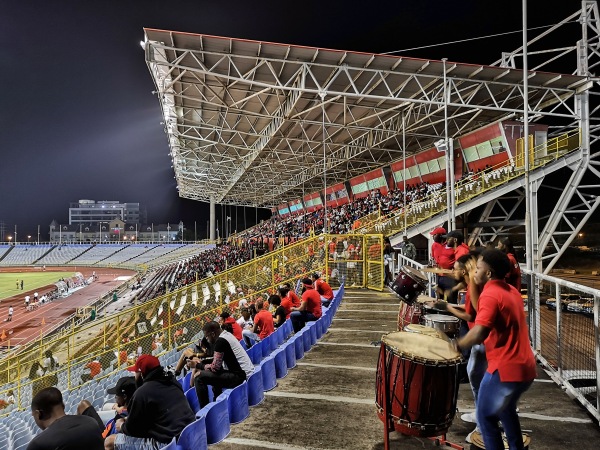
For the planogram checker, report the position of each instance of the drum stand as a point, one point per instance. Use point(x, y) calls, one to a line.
point(441, 440)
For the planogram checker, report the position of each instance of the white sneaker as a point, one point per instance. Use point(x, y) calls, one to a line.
point(469, 417)
point(469, 438)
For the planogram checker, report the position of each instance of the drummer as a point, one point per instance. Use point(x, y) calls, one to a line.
point(444, 258)
point(464, 269)
point(500, 323)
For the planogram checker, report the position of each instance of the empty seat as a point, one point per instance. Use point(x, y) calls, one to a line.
point(192, 399)
point(255, 354)
point(237, 403)
point(298, 342)
point(186, 381)
point(266, 346)
point(256, 392)
point(269, 377)
point(312, 327)
point(281, 369)
point(217, 420)
point(306, 339)
point(193, 437)
point(290, 355)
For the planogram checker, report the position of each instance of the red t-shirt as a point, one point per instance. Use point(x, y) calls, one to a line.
point(264, 320)
point(313, 302)
point(95, 368)
point(286, 303)
point(462, 250)
point(469, 308)
point(500, 308)
point(445, 257)
point(324, 289)
point(237, 330)
point(294, 298)
point(435, 248)
point(514, 276)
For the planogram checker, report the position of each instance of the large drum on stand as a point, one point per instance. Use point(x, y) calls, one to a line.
point(417, 383)
point(409, 313)
point(409, 284)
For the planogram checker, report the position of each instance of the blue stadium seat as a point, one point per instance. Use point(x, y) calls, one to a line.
point(192, 399)
point(269, 377)
point(290, 354)
point(193, 437)
point(256, 392)
point(298, 343)
point(243, 344)
point(281, 369)
point(237, 403)
point(288, 328)
point(266, 346)
point(306, 339)
point(171, 445)
point(255, 353)
point(279, 335)
point(312, 327)
point(216, 419)
point(186, 381)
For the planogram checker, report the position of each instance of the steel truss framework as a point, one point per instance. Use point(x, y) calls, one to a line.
point(258, 123)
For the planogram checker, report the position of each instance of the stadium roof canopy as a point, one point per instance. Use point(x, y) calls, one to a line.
point(249, 122)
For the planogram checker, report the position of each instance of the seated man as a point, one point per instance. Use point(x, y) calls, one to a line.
point(230, 367)
point(245, 321)
point(158, 410)
point(279, 315)
point(263, 325)
point(236, 330)
point(60, 430)
point(201, 349)
point(310, 306)
point(324, 290)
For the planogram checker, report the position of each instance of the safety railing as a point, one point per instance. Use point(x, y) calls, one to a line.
point(471, 186)
point(100, 347)
point(564, 330)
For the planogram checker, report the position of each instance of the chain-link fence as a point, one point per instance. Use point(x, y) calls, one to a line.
point(100, 347)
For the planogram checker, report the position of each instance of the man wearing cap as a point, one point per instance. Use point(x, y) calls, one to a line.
point(230, 365)
point(123, 392)
point(263, 325)
point(310, 306)
point(443, 254)
point(438, 241)
point(158, 411)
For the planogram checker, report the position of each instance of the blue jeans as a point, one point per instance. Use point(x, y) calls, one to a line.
point(299, 319)
point(498, 401)
point(476, 367)
point(250, 337)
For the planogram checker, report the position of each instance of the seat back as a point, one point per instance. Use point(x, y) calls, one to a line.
point(186, 381)
point(266, 346)
point(237, 403)
point(281, 368)
point(192, 399)
point(298, 342)
point(290, 354)
point(193, 437)
point(256, 392)
point(217, 420)
point(269, 377)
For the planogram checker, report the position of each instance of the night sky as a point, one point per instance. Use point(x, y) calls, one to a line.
point(77, 117)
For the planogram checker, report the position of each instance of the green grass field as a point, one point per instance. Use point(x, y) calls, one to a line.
point(31, 280)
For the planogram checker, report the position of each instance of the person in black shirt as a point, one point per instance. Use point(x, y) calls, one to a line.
point(60, 430)
point(279, 314)
point(158, 411)
point(201, 349)
point(229, 368)
point(143, 333)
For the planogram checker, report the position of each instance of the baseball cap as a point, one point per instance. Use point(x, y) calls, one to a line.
point(438, 230)
point(125, 385)
point(307, 282)
point(144, 364)
point(455, 234)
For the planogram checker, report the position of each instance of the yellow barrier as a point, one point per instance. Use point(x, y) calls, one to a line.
point(104, 346)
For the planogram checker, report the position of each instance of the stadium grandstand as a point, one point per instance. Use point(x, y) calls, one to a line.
point(364, 147)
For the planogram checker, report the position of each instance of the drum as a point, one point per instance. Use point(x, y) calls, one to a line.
point(409, 284)
point(417, 383)
point(409, 313)
point(446, 324)
point(422, 329)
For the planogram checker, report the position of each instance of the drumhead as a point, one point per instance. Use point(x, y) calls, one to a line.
point(421, 347)
point(422, 329)
point(415, 274)
point(440, 318)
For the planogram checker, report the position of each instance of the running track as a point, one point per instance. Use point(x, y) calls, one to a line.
point(26, 326)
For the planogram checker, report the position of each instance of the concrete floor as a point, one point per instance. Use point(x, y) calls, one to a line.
point(328, 400)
